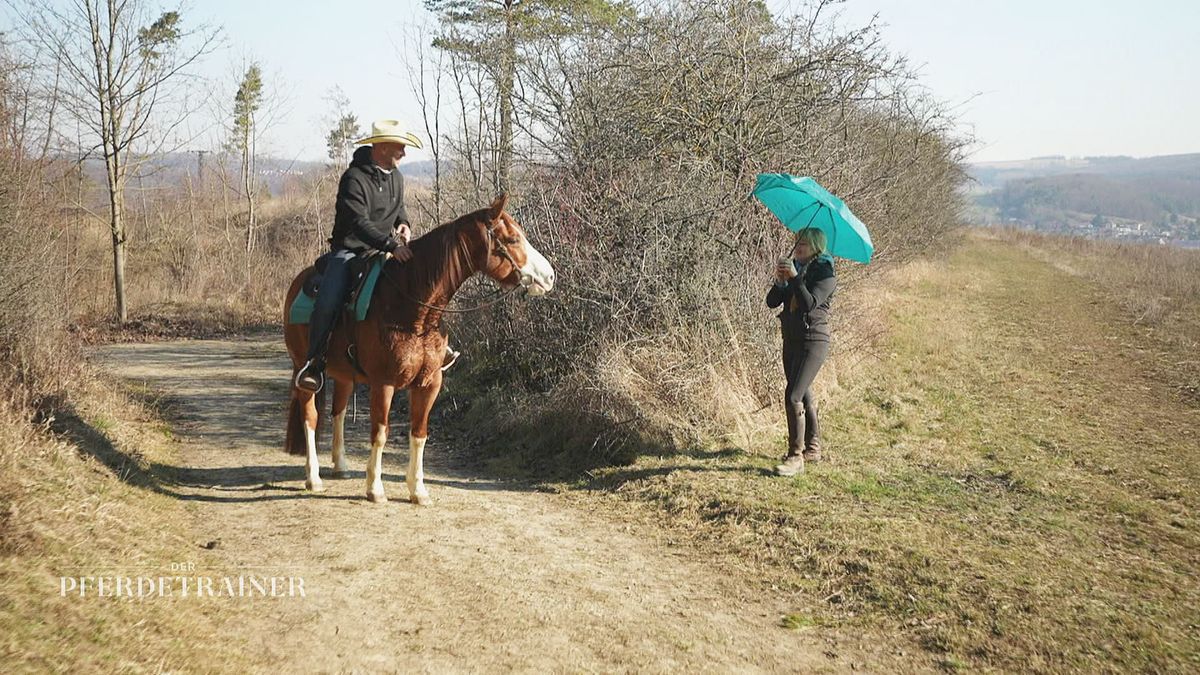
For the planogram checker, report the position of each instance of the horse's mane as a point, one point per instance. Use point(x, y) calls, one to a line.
point(436, 250)
point(439, 256)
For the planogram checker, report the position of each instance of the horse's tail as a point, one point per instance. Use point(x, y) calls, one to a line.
point(295, 428)
point(295, 443)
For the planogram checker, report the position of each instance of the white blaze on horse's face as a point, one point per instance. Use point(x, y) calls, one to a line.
point(537, 275)
point(533, 271)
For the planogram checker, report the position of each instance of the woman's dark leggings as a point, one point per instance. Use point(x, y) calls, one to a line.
point(801, 361)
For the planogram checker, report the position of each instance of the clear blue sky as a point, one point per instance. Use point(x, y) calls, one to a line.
point(309, 46)
point(1055, 77)
point(1035, 77)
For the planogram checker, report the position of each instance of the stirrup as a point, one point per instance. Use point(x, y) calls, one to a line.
point(453, 358)
point(307, 382)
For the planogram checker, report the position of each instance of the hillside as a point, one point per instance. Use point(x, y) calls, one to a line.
point(1148, 199)
point(172, 170)
point(993, 175)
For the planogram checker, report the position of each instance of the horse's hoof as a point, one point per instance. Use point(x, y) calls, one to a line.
point(339, 473)
point(318, 486)
point(376, 497)
point(420, 500)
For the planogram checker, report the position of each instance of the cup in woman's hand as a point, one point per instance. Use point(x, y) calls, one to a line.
point(786, 265)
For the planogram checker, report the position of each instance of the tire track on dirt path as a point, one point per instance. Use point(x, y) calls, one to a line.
point(493, 576)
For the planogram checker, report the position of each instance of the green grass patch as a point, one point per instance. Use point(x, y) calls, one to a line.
point(800, 621)
point(103, 423)
point(1009, 487)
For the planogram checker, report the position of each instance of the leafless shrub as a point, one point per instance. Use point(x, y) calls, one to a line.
point(33, 354)
point(651, 136)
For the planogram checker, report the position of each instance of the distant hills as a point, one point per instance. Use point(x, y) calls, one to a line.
point(172, 169)
point(1152, 198)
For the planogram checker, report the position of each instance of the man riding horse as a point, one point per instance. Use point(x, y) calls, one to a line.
point(369, 219)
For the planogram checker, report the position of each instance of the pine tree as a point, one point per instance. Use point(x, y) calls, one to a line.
point(246, 104)
point(340, 137)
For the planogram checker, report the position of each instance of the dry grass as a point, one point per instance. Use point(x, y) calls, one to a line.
point(1011, 485)
point(1156, 287)
point(75, 495)
point(77, 500)
point(1153, 283)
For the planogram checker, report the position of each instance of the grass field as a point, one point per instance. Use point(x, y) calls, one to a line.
point(76, 504)
point(1012, 486)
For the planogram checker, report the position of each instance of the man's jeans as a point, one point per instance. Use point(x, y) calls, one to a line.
point(331, 295)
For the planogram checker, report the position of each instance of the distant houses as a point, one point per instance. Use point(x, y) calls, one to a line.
point(1120, 229)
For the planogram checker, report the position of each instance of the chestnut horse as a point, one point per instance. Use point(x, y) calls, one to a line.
point(400, 345)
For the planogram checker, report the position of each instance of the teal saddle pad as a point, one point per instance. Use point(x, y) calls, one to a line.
point(302, 307)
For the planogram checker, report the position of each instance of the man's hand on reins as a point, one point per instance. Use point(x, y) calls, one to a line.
point(402, 253)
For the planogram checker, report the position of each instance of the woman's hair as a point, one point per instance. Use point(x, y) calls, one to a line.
point(814, 237)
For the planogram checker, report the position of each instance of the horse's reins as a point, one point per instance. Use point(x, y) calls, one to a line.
point(497, 248)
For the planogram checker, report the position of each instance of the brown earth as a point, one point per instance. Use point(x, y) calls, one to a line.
point(492, 576)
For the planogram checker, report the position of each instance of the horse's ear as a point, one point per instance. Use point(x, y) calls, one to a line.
point(497, 207)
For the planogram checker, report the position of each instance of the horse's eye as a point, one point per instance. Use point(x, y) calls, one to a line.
point(511, 240)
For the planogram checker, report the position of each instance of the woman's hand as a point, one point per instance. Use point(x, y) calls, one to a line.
point(785, 271)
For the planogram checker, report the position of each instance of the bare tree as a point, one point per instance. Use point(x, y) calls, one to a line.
point(425, 78)
point(493, 34)
point(120, 68)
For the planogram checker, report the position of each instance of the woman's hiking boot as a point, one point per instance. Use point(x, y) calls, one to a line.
point(792, 464)
point(812, 453)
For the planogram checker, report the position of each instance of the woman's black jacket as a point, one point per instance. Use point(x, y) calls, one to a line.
point(805, 299)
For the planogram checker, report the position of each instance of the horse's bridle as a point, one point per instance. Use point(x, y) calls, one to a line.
point(525, 279)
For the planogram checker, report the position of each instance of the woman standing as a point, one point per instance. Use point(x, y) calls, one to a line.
point(804, 285)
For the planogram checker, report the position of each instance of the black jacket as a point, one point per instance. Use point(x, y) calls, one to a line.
point(370, 205)
point(813, 291)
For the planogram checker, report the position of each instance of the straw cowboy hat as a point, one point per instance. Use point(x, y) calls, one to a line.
point(390, 131)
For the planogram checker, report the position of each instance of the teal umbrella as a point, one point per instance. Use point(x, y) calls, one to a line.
point(800, 202)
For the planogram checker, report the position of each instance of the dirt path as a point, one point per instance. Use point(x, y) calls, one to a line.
point(493, 576)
